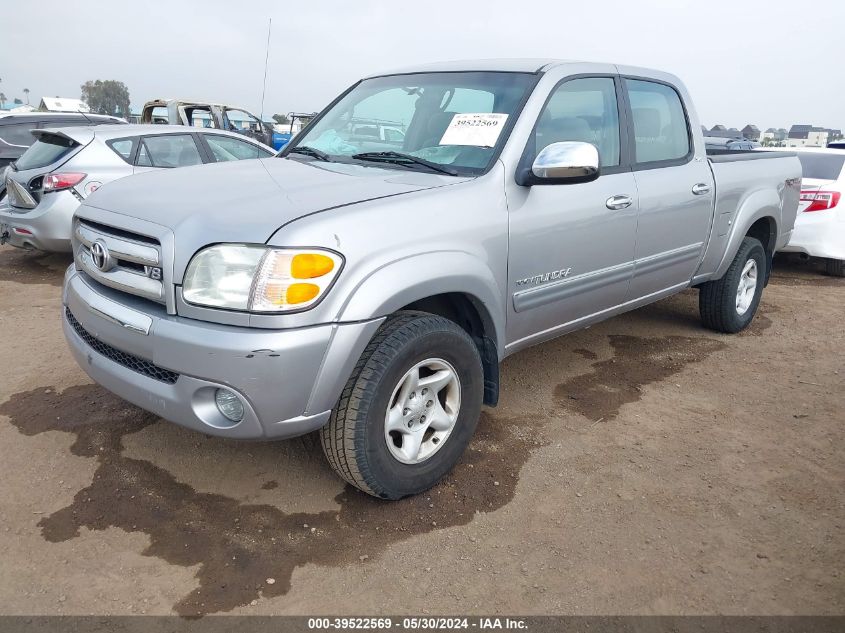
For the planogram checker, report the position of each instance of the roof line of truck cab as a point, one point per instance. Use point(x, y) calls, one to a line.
point(528, 65)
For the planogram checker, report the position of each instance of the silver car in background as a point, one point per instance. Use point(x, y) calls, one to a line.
point(65, 165)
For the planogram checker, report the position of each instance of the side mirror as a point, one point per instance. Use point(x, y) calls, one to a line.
point(564, 163)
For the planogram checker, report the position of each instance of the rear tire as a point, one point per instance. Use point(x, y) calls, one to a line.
point(725, 305)
point(835, 267)
point(381, 407)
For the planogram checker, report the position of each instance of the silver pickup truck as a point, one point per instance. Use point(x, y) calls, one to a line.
point(369, 288)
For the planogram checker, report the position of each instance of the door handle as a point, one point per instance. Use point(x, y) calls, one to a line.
point(619, 202)
point(700, 189)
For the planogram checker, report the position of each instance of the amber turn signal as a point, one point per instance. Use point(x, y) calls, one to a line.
point(301, 293)
point(310, 265)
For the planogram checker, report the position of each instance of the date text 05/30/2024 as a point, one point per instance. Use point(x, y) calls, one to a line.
point(411, 623)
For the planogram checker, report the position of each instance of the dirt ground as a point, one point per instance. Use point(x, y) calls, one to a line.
point(643, 466)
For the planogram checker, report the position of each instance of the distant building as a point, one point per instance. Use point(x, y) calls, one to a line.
point(16, 108)
point(807, 136)
point(751, 132)
point(773, 136)
point(58, 104)
point(721, 131)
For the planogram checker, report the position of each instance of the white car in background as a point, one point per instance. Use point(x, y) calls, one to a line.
point(820, 225)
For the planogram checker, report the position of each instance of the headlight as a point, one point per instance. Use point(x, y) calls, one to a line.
point(258, 278)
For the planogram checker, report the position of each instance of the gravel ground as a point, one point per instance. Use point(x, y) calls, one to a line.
point(642, 466)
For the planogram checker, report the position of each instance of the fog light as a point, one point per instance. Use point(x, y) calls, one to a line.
point(229, 405)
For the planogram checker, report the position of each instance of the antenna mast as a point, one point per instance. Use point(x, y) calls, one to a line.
point(266, 60)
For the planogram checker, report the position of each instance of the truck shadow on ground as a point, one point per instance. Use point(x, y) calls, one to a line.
point(33, 267)
point(239, 546)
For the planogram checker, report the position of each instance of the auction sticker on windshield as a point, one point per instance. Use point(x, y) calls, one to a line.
point(477, 129)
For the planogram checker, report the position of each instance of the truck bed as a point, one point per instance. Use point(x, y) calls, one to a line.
point(734, 155)
point(743, 182)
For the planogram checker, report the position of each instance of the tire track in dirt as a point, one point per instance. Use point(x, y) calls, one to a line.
point(238, 546)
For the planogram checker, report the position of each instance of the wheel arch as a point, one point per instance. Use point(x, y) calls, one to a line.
point(756, 217)
point(454, 285)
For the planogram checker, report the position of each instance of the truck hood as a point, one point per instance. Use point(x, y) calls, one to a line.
point(248, 201)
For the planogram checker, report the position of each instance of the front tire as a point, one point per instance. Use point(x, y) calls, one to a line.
point(835, 267)
point(730, 303)
point(409, 409)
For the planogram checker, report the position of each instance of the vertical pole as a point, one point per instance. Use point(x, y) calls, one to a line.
point(266, 60)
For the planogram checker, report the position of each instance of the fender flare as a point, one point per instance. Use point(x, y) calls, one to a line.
point(401, 282)
point(760, 204)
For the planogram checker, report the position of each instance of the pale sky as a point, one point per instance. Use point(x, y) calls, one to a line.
point(770, 63)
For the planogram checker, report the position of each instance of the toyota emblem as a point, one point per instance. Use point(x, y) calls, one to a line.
point(101, 256)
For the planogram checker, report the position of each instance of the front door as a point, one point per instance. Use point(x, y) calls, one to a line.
point(572, 246)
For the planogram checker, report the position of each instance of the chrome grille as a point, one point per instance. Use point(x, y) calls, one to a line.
point(121, 260)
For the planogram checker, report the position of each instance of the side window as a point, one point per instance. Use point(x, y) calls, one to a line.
point(224, 148)
point(143, 159)
point(122, 147)
point(240, 120)
point(17, 134)
point(65, 122)
point(582, 110)
point(660, 126)
point(171, 150)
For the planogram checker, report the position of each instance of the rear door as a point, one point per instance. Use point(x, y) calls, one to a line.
point(675, 187)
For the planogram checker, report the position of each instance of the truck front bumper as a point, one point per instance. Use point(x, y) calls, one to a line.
point(287, 380)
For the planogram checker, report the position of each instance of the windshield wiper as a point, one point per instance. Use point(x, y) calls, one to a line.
point(398, 158)
point(312, 152)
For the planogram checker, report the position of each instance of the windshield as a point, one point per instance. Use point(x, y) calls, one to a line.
point(821, 166)
point(451, 119)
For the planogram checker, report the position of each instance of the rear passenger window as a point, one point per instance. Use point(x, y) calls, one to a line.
point(122, 147)
point(660, 126)
point(171, 150)
point(143, 159)
point(582, 110)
